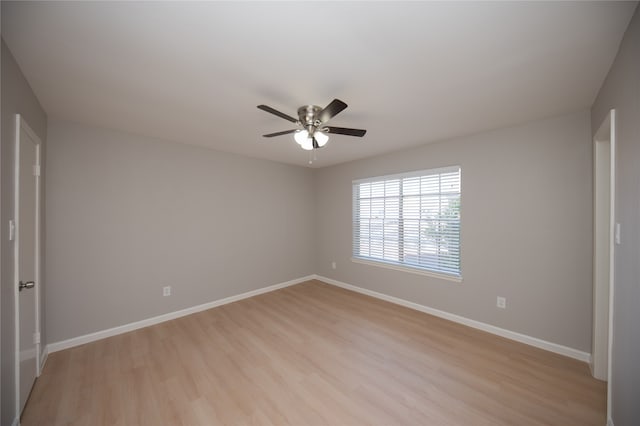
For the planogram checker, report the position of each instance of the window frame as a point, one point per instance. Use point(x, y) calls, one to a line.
point(400, 265)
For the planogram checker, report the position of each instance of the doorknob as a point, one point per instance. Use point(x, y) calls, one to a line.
point(24, 285)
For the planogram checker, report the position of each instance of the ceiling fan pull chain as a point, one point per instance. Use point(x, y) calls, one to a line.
point(312, 156)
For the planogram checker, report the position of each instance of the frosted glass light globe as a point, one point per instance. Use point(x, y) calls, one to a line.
point(321, 138)
point(301, 136)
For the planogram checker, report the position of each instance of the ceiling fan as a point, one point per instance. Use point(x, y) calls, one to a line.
point(312, 132)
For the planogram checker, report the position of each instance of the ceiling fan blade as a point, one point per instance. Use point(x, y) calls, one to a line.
point(285, 132)
point(278, 113)
point(331, 110)
point(345, 131)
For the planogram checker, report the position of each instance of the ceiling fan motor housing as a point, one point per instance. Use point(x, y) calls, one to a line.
point(308, 117)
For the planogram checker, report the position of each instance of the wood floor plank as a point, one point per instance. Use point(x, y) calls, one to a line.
point(313, 354)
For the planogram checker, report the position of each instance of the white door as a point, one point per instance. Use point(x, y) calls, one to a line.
point(27, 260)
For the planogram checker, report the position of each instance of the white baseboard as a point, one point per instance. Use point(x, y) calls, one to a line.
point(16, 422)
point(609, 421)
point(87, 338)
point(523, 338)
point(518, 337)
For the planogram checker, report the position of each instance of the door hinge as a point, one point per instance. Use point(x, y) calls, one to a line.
point(36, 170)
point(12, 230)
point(36, 338)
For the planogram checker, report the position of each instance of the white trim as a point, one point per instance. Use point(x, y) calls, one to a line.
point(610, 422)
point(518, 337)
point(16, 265)
point(38, 248)
point(604, 140)
point(612, 266)
point(532, 341)
point(406, 268)
point(91, 337)
point(16, 422)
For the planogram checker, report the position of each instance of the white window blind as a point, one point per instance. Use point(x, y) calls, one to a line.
point(410, 219)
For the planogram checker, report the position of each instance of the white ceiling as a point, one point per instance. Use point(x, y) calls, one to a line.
point(412, 73)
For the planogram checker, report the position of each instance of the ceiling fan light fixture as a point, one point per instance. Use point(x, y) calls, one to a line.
point(301, 136)
point(321, 138)
point(307, 144)
point(303, 139)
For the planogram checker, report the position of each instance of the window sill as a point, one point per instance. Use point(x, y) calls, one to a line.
point(407, 269)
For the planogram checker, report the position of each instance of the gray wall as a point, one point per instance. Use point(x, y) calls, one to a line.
point(621, 90)
point(526, 228)
point(17, 98)
point(127, 215)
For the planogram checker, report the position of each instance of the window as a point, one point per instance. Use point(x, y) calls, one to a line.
point(410, 220)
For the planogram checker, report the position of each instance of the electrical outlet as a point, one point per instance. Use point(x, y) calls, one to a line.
point(333, 265)
point(501, 302)
point(166, 291)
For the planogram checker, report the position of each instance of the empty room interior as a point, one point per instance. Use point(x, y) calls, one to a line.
point(320, 213)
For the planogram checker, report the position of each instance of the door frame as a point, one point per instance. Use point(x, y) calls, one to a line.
point(604, 143)
point(22, 127)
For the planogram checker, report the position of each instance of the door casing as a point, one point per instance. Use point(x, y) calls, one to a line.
point(604, 250)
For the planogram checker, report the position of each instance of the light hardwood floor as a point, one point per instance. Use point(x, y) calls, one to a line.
point(313, 354)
